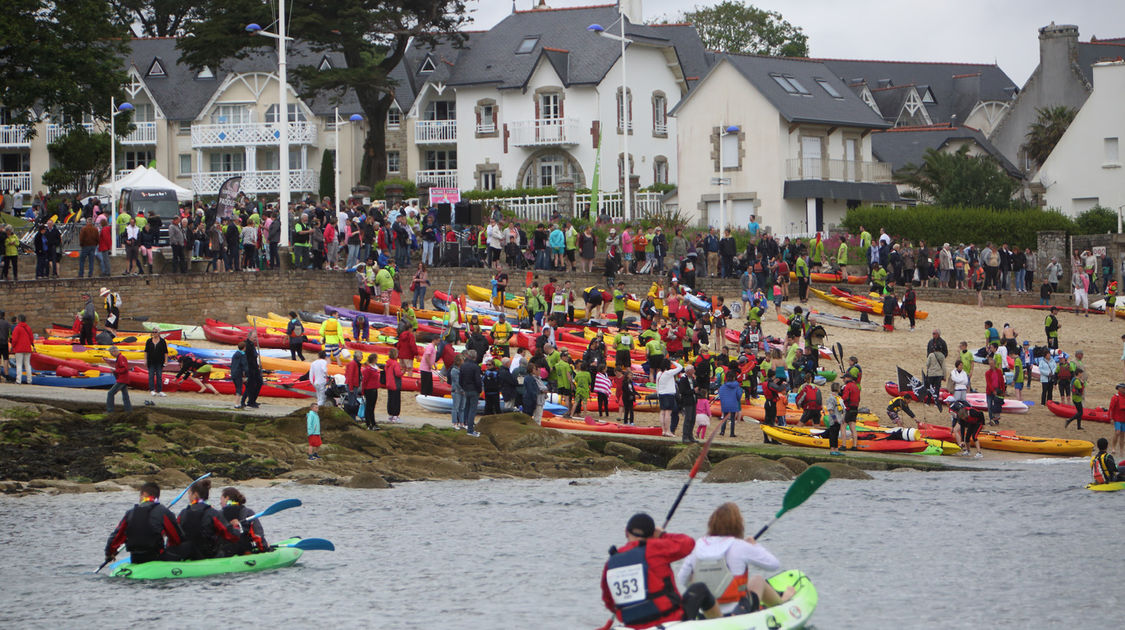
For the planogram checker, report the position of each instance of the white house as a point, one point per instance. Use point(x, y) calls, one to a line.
point(799, 157)
point(530, 101)
point(1085, 170)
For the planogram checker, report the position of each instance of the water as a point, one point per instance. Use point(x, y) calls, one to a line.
point(1025, 546)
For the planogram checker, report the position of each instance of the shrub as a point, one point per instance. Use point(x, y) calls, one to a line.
point(502, 193)
point(1096, 220)
point(1017, 227)
point(409, 190)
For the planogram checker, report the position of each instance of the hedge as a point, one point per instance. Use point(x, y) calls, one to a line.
point(935, 225)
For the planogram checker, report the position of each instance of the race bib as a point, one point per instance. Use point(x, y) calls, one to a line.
point(627, 584)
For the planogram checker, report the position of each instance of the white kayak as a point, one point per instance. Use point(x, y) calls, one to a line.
point(190, 333)
point(828, 319)
point(441, 404)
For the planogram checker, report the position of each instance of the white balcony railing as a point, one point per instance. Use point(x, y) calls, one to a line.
point(838, 170)
point(250, 134)
point(439, 179)
point(14, 136)
point(145, 133)
point(486, 127)
point(660, 128)
point(435, 131)
point(254, 181)
point(16, 182)
point(543, 207)
point(56, 131)
point(543, 132)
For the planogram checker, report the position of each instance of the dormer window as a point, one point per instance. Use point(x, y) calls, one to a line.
point(156, 69)
point(205, 73)
point(928, 97)
point(427, 65)
point(527, 45)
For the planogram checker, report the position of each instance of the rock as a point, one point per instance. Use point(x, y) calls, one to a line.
point(792, 463)
point(172, 478)
point(742, 468)
point(685, 459)
point(149, 442)
point(515, 431)
point(841, 470)
point(110, 486)
point(367, 481)
point(624, 451)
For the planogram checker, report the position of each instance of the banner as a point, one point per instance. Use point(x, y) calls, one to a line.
point(595, 181)
point(444, 195)
point(228, 193)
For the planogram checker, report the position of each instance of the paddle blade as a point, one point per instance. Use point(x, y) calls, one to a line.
point(284, 504)
point(803, 487)
point(314, 544)
point(185, 490)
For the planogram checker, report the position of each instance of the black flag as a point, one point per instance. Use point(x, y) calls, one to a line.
point(908, 385)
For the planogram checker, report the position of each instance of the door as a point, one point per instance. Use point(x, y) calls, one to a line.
point(810, 157)
point(851, 163)
point(548, 127)
point(814, 215)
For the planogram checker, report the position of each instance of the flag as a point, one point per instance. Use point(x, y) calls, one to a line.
point(228, 193)
point(595, 181)
point(909, 385)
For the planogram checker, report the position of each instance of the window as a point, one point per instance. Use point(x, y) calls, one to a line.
point(827, 87)
point(295, 113)
point(231, 115)
point(394, 118)
point(441, 160)
point(659, 114)
point(489, 180)
point(1111, 154)
point(660, 171)
point(797, 85)
point(486, 119)
point(729, 150)
point(143, 112)
point(621, 168)
point(441, 110)
point(928, 96)
point(790, 84)
point(156, 69)
point(205, 73)
point(227, 162)
point(185, 164)
point(527, 45)
point(184, 128)
point(427, 65)
point(624, 110)
point(549, 106)
point(325, 64)
point(394, 164)
point(271, 162)
point(133, 159)
point(548, 169)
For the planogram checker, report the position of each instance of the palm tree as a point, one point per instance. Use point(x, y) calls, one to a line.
point(1046, 132)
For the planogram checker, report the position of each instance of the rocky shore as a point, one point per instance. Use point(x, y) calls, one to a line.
point(67, 447)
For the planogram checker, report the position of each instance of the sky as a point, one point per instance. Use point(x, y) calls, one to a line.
point(1004, 32)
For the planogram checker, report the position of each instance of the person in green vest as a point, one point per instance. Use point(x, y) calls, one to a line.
point(407, 316)
point(536, 305)
point(571, 235)
point(818, 252)
point(855, 371)
point(619, 298)
point(654, 350)
point(1051, 325)
point(623, 344)
point(803, 277)
point(563, 375)
point(878, 278)
point(1077, 390)
point(582, 382)
point(1018, 374)
point(966, 362)
point(842, 257)
point(385, 279)
point(864, 239)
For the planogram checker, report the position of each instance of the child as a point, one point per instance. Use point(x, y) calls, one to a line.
point(628, 394)
point(602, 387)
point(1045, 293)
point(582, 382)
point(702, 414)
point(312, 420)
point(835, 418)
point(777, 297)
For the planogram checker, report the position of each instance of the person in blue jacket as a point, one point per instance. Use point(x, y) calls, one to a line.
point(730, 404)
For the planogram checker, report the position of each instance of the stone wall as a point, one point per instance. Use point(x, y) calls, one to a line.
point(1050, 245)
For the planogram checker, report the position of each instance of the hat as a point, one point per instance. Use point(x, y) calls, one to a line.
point(1120, 385)
point(1026, 342)
point(613, 230)
point(641, 525)
point(104, 292)
point(957, 406)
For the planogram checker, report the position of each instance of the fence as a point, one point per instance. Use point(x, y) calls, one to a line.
point(542, 207)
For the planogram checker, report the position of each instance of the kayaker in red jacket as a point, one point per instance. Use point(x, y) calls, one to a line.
point(22, 344)
point(1117, 415)
point(121, 374)
point(204, 527)
point(144, 529)
point(810, 401)
point(994, 383)
point(637, 581)
point(850, 396)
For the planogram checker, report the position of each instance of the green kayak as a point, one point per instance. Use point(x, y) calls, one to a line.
point(281, 556)
point(794, 613)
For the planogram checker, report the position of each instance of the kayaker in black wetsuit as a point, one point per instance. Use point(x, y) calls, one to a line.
point(234, 508)
point(144, 529)
point(1102, 465)
point(204, 527)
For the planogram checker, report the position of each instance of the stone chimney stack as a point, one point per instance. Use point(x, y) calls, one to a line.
point(1058, 48)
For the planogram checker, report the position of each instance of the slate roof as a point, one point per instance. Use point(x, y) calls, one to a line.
point(1092, 52)
point(907, 145)
point(827, 189)
point(890, 99)
point(946, 81)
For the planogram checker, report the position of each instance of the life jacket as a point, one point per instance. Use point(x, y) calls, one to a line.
point(714, 572)
point(501, 332)
point(638, 601)
point(1099, 468)
point(623, 341)
point(192, 521)
point(249, 538)
point(144, 529)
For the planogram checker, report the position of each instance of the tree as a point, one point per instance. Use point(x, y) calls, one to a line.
point(156, 18)
point(371, 35)
point(735, 27)
point(81, 161)
point(328, 175)
point(1096, 220)
point(1047, 130)
point(959, 180)
point(60, 57)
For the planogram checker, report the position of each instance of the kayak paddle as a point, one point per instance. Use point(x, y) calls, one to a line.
point(178, 497)
point(312, 544)
point(802, 488)
point(284, 504)
point(694, 470)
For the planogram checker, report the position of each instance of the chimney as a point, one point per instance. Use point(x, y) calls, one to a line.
point(1058, 48)
point(632, 10)
point(541, 6)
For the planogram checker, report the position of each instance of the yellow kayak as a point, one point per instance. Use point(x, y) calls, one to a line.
point(511, 300)
point(94, 355)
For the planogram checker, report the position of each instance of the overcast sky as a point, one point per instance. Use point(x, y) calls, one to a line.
point(979, 31)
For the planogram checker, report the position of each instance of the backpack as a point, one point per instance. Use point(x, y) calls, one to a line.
point(1064, 370)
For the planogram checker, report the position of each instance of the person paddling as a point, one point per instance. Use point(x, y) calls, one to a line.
point(204, 527)
point(146, 530)
point(637, 581)
point(234, 509)
point(1102, 465)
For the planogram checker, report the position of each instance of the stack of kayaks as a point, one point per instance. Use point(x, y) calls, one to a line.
point(975, 400)
point(281, 556)
point(589, 424)
point(795, 613)
point(841, 321)
point(1012, 442)
point(875, 442)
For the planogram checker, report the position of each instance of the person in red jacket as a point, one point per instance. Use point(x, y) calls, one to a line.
point(144, 529)
point(850, 396)
point(638, 584)
point(392, 380)
point(673, 336)
point(121, 373)
point(105, 240)
point(994, 384)
point(353, 376)
point(1117, 415)
point(407, 349)
point(204, 527)
point(22, 344)
point(369, 384)
point(810, 401)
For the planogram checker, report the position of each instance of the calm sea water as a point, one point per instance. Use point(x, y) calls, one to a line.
point(1025, 546)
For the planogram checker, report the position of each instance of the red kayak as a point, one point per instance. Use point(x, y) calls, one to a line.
point(589, 424)
point(1089, 414)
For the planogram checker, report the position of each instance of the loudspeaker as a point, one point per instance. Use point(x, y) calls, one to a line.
point(462, 213)
point(444, 214)
point(477, 212)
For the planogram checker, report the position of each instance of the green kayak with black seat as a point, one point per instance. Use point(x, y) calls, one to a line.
point(281, 556)
point(794, 613)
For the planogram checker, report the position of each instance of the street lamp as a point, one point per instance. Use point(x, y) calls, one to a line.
point(721, 180)
point(336, 156)
point(626, 187)
point(283, 110)
point(114, 110)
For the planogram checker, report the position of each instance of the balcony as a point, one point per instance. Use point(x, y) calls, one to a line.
point(435, 132)
point(56, 131)
point(145, 133)
point(545, 132)
point(838, 170)
point(250, 134)
point(300, 180)
point(14, 136)
point(660, 128)
point(19, 182)
point(486, 128)
point(439, 179)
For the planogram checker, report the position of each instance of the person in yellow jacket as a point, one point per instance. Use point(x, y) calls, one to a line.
point(501, 336)
point(842, 257)
point(331, 337)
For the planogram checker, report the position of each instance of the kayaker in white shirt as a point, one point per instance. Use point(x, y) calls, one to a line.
point(666, 393)
point(959, 380)
point(318, 376)
point(724, 559)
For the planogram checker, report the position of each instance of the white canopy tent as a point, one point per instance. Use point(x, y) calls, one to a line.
point(145, 179)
